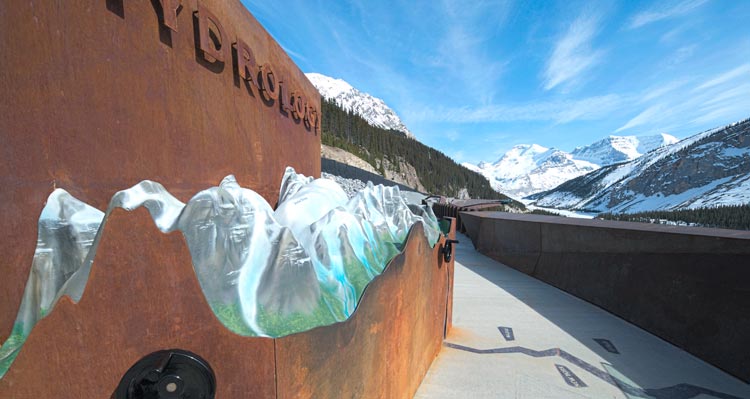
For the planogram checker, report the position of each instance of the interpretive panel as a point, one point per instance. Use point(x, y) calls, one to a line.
point(143, 296)
point(99, 95)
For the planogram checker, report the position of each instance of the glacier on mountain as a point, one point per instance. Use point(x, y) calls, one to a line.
point(615, 149)
point(527, 169)
point(706, 170)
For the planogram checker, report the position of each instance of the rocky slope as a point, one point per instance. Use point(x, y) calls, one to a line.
point(404, 173)
point(529, 169)
point(337, 154)
point(397, 157)
point(709, 169)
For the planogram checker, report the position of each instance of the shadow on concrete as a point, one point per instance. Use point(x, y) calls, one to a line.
point(616, 370)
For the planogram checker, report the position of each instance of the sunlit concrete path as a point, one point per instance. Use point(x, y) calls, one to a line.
point(516, 337)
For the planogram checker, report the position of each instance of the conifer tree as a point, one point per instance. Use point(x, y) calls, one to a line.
point(438, 173)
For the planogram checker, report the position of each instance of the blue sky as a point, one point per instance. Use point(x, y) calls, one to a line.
point(474, 78)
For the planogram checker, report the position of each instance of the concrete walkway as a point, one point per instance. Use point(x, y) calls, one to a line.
point(516, 337)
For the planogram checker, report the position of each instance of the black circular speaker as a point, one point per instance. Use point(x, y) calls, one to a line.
point(168, 374)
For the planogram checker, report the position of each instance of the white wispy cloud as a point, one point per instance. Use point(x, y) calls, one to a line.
point(672, 36)
point(728, 94)
point(725, 77)
point(464, 49)
point(727, 111)
point(565, 111)
point(494, 138)
point(680, 55)
point(647, 116)
point(659, 91)
point(452, 135)
point(461, 55)
point(573, 53)
point(677, 105)
point(293, 53)
point(662, 11)
point(726, 100)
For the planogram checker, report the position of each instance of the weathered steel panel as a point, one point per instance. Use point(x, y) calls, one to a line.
point(385, 349)
point(99, 95)
point(142, 296)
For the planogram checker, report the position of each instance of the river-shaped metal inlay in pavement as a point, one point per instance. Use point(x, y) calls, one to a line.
point(679, 391)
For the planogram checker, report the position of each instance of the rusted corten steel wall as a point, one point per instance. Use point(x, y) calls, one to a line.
point(451, 281)
point(97, 95)
point(386, 348)
point(143, 296)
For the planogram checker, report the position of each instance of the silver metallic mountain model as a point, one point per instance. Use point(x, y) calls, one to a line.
point(264, 272)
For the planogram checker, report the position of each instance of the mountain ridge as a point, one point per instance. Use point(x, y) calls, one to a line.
point(389, 148)
point(708, 169)
point(372, 109)
point(528, 169)
point(391, 153)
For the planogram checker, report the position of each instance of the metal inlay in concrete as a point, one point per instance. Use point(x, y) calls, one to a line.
point(516, 337)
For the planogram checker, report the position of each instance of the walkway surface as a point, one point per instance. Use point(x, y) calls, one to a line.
point(516, 337)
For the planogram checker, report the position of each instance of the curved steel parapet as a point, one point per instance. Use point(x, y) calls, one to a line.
point(263, 272)
point(143, 296)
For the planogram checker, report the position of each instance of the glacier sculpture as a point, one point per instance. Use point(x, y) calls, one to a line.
point(264, 272)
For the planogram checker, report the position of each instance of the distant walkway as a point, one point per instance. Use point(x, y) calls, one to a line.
point(516, 337)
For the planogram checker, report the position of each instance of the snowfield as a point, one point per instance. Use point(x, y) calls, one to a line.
point(530, 168)
point(706, 170)
point(372, 109)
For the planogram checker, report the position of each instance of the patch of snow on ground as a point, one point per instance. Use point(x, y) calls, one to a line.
point(641, 203)
point(737, 192)
point(733, 152)
point(618, 174)
point(566, 213)
point(560, 200)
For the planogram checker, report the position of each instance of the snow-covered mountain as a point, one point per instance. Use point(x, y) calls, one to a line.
point(709, 169)
point(372, 109)
point(529, 169)
point(615, 149)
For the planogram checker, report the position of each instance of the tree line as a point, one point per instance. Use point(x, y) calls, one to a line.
point(438, 173)
point(735, 217)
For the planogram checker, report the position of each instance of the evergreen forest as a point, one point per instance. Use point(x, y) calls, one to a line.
point(735, 217)
point(439, 174)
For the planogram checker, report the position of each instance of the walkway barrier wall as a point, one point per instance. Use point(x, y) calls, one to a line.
point(687, 285)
